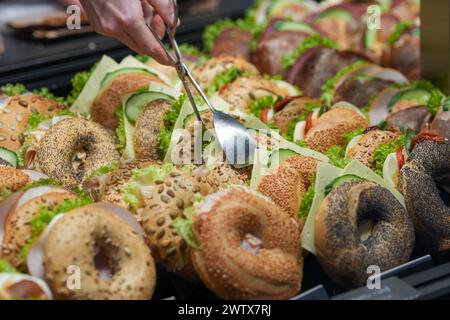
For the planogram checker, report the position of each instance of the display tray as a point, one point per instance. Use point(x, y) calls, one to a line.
point(423, 278)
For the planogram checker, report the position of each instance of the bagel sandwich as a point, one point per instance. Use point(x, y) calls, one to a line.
point(146, 121)
point(25, 219)
point(234, 233)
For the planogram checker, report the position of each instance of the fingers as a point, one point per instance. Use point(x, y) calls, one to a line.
point(165, 9)
point(155, 21)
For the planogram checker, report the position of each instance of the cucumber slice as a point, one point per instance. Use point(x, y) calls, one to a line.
point(420, 96)
point(293, 26)
point(370, 38)
point(277, 5)
point(340, 180)
point(335, 13)
point(9, 156)
point(137, 102)
point(111, 75)
point(279, 156)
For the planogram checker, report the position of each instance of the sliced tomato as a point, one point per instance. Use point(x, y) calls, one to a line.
point(309, 122)
point(283, 102)
point(400, 158)
point(265, 114)
point(224, 88)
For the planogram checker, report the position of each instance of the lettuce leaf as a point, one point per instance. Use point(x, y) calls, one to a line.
point(170, 118)
point(257, 106)
point(382, 152)
point(6, 267)
point(78, 81)
point(348, 136)
point(13, 89)
point(336, 154)
point(306, 201)
point(42, 182)
point(46, 93)
point(184, 227)
point(400, 28)
point(312, 42)
point(105, 169)
point(289, 135)
point(120, 131)
point(224, 78)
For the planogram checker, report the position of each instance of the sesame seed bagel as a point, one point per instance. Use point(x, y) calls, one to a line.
point(14, 116)
point(208, 71)
point(18, 229)
point(330, 128)
point(104, 107)
point(167, 202)
point(73, 241)
point(148, 126)
point(13, 179)
point(248, 247)
point(345, 249)
point(424, 182)
point(364, 150)
point(287, 183)
point(73, 149)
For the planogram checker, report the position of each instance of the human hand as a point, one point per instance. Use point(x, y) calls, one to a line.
point(126, 21)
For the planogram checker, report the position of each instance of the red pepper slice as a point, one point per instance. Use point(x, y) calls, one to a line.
point(283, 102)
point(309, 122)
point(224, 88)
point(265, 114)
point(400, 158)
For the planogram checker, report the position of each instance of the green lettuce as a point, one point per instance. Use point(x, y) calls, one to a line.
point(289, 135)
point(348, 136)
point(382, 152)
point(42, 182)
point(6, 267)
point(46, 93)
point(329, 86)
point(78, 82)
point(312, 42)
point(400, 28)
point(131, 194)
point(258, 105)
point(306, 202)
point(120, 131)
point(170, 118)
point(4, 193)
point(336, 155)
point(224, 78)
point(105, 169)
point(13, 89)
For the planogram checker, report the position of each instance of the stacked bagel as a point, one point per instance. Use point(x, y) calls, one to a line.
point(352, 163)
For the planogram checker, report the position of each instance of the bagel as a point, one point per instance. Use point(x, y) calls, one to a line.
point(110, 190)
point(286, 184)
point(248, 248)
point(424, 182)
point(148, 126)
point(365, 148)
point(13, 179)
point(207, 72)
point(73, 149)
point(296, 107)
point(240, 93)
point(104, 107)
point(73, 241)
point(344, 249)
point(15, 113)
point(18, 228)
point(330, 128)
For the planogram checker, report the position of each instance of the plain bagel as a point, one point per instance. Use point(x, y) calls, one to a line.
point(424, 182)
point(73, 241)
point(344, 249)
point(73, 149)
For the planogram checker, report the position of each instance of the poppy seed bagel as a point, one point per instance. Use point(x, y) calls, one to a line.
point(425, 183)
point(248, 248)
point(104, 107)
point(74, 240)
point(287, 184)
point(13, 179)
point(147, 128)
point(330, 128)
point(73, 149)
point(364, 150)
point(344, 249)
point(18, 228)
point(15, 113)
